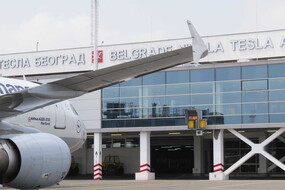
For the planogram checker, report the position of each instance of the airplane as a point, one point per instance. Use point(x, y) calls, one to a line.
point(39, 128)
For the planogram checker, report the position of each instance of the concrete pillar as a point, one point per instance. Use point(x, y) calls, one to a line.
point(97, 156)
point(145, 166)
point(262, 169)
point(198, 156)
point(218, 154)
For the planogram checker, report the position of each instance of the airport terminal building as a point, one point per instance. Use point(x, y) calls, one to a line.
point(239, 87)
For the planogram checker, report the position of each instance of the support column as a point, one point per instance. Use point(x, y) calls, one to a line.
point(145, 167)
point(198, 156)
point(262, 169)
point(273, 166)
point(256, 149)
point(218, 154)
point(97, 156)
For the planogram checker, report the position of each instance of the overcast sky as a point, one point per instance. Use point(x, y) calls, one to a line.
point(66, 23)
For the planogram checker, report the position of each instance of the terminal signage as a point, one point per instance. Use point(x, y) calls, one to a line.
point(221, 48)
point(238, 45)
point(57, 61)
point(42, 61)
point(232, 47)
point(138, 53)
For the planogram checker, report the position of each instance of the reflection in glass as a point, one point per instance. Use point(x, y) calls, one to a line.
point(260, 96)
point(206, 109)
point(159, 99)
point(130, 102)
point(277, 107)
point(133, 82)
point(154, 78)
point(228, 98)
point(219, 120)
point(131, 91)
point(153, 90)
point(232, 119)
point(202, 99)
point(131, 113)
point(277, 95)
point(143, 122)
point(255, 118)
point(112, 113)
point(276, 70)
point(177, 89)
point(202, 88)
point(122, 113)
point(177, 111)
point(254, 85)
point(253, 72)
point(228, 86)
point(175, 77)
point(229, 109)
point(104, 116)
point(277, 118)
point(164, 111)
point(202, 75)
point(215, 119)
point(110, 92)
point(152, 112)
point(177, 100)
point(111, 103)
point(228, 74)
point(277, 83)
point(154, 101)
point(254, 108)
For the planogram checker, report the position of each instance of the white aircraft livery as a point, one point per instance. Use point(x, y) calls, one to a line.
point(39, 128)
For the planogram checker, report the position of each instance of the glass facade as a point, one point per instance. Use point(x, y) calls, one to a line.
point(234, 95)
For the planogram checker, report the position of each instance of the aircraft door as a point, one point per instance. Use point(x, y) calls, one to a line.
point(60, 117)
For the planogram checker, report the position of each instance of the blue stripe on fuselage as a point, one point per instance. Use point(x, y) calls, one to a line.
point(10, 88)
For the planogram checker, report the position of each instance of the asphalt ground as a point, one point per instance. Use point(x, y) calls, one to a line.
point(170, 185)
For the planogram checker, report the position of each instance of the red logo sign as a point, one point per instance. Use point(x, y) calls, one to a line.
point(100, 56)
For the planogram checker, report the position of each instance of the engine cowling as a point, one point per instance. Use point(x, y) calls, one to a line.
point(33, 161)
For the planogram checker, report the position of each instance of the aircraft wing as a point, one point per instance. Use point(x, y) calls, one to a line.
point(50, 93)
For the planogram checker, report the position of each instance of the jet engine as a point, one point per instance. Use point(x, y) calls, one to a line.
point(33, 161)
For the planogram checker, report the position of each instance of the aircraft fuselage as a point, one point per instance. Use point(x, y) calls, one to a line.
point(59, 119)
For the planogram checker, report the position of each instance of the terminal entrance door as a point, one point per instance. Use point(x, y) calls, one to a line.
point(172, 155)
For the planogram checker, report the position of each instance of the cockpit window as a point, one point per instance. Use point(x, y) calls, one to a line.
point(73, 109)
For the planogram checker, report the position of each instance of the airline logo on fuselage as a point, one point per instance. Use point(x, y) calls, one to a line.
point(10, 88)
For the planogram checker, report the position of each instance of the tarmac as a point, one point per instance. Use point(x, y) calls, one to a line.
point(170, 185)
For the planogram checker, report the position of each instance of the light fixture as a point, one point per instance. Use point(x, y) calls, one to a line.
point(271, 131)
point(174, 133)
